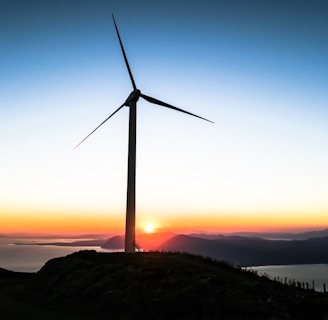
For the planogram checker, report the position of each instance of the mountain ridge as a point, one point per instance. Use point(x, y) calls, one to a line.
point(246, 251)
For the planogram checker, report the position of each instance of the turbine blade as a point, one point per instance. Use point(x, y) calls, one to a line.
point(164, 104)
point(99, 126)
point(124, 55)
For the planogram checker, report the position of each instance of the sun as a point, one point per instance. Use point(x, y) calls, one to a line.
point(149, 228)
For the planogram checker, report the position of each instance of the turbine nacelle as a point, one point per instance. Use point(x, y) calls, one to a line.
point(133, 97)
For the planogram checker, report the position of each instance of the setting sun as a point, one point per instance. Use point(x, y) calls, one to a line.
point(149, 228)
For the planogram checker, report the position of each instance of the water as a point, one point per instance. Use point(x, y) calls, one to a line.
point(30, 258)
point(306, 273)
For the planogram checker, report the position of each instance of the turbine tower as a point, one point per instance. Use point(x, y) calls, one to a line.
point(131, 102)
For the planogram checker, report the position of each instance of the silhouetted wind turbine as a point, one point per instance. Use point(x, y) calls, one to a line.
point(131, 102)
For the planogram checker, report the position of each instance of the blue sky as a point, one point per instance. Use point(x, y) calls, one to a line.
point(258, 69)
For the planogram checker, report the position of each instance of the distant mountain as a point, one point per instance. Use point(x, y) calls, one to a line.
point(145, 241)
point(312, 234)
point(80, 243)
point(114, 243)
point(208, 236)
point(284, 236)
point(265, 235)
point(89, 285)
point(246, 251)
point(56, 236)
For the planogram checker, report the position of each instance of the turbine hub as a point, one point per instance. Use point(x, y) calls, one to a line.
point(133, 97)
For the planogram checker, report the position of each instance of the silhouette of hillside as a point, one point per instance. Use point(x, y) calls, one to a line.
point(13, 304)
point(287, 236)
point(8, 274)
point(146, 241)
point(114, 243)
point(246, 251)
point(153, 285)
point(238, 250)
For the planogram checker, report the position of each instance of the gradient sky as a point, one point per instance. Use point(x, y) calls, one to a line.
point(258, 69)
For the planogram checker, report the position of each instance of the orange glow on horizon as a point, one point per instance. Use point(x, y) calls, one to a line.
point(63, 223)
point(226, 223)
point(105, 223)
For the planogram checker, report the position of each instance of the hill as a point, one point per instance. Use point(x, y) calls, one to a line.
point(246, 251)
point(13, 285)
point(154, 285)
point(114, 243)
point(8, 274)
point(284, 236)
point(146, 241)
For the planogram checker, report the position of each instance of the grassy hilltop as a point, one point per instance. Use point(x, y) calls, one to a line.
point(154, 285)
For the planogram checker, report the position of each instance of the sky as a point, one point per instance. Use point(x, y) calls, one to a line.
point(258, 69)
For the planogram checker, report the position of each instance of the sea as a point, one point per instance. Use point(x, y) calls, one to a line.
point(24, 255)
point(315, 275)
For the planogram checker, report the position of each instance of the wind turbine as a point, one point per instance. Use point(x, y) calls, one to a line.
point(131, 102)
